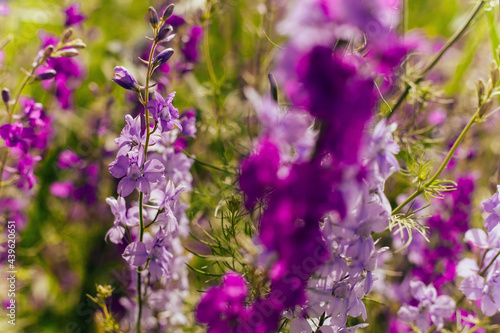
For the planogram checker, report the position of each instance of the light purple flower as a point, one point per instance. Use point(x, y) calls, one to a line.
point(135, 174)
point(492, 206)
point(122, 218)
point(164, 112)
point(432, 309)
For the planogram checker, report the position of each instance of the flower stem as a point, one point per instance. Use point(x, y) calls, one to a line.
point(474, 12)
point(141, 195)
point(443, 165)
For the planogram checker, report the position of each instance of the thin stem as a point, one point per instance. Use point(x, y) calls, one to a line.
point(141, 195)
point(442, 166)
point(438, 56)
point(489, 265)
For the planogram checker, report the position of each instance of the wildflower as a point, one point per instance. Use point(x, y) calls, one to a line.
point(124, 79)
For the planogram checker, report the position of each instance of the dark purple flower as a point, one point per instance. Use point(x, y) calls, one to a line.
point(124, 79)
point(162, 57)
point(16, 135)
point(190, 48)
point(259, 172)
point(25, 168)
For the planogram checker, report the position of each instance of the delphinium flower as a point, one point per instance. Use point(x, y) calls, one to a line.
point(150, 160)
point(26, 138)
point(73, 15)
point(69, 72)
point(339, 253)
point(431, 309)
point(482, 281)
point(83, 182)
point(435, 261)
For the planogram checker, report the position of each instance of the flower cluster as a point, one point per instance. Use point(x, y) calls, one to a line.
point(482, 281)
point(300, 177)
point(150, 160)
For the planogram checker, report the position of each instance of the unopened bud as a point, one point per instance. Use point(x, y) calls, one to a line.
point(162, 57)
point(485, 107)
point(168, 12)
point(47, 52)
point(153, 17)
point(274, 87)
point(480, 91)
point(76, 43)
point(68, 53)
point(47, 75)
point(164, 32)
point(5, 95)
point(494, 72)
point(66, 35)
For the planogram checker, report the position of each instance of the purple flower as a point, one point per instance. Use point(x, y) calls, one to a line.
point(135, 174)
point(163, 111)
point(124, 79)
point(136, 254)
point(431, 308)
point(259, 172)
point(122, 218)
point(188, 122)
point(222, 308)
point(68, 74)
point(68, 159)
point(162, 57)
point(73, 15)
point(61, 189)
point(190, 49)
point(16, 135)
point(492, 206)
point(25, 168)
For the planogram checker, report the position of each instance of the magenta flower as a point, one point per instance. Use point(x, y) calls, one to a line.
point(73, 15)
point(222, 308)
point(190, 49)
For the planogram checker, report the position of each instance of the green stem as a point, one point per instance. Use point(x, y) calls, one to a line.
point(442, 166)
point(141, 195)
point(438, 56)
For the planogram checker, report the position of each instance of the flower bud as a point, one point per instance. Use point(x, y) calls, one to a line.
point(274, 87)
point(76, 43)
point(124, 79)
point(168, 12)
point(494, 74)
point(485, 107)
point(162, 57)
point(153, 17)
point(164, 32)
point(68, 53)
point(47, 75)
point(66, 35)
point(47, 52)
point(5, 95)
point(480, 91)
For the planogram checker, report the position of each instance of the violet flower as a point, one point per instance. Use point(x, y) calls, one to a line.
point(124, 79)
point(164, 112)
point(431, 309)
point(492, 206)
point(73, 15)
point(135, 174)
